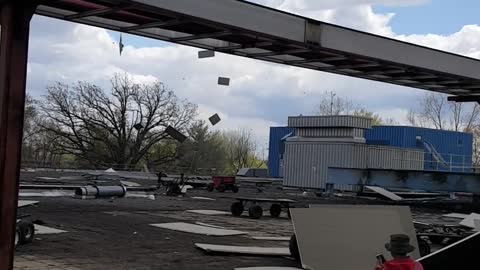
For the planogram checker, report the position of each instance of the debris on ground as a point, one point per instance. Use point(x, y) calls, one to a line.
point(197, 229)
point(266, 251)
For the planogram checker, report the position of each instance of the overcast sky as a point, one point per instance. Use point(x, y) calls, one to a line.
point(260, 94)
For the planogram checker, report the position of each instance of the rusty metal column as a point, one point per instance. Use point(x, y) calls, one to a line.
point(15, 21)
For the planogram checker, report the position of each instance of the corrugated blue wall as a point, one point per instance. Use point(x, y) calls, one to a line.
point(274, 145)
point(455, 147)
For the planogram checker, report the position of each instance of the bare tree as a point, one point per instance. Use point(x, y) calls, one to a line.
point(333, 104)
point(435, 111)
point(116, 128)
point(240, 149)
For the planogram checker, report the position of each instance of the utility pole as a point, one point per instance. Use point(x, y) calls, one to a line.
point(332, 96)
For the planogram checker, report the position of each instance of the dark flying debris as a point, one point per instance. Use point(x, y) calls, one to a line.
point(206, 54)
point(120, 44)
point(214, 119)
point(175, 134)
point(138, 126)
point(223, 81)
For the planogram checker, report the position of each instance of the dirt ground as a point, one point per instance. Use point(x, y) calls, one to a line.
point(115, 234)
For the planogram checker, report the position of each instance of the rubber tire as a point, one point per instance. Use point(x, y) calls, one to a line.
point(235, 189)
point(237, 209)
point(210, 187)
point(275, 210)
point(18, 233)
point(423, 247)
point(221, 188)
point(293, 247)
point(27, 232)
point(255, 211)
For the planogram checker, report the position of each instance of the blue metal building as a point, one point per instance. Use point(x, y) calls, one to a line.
point(276, 148)
point(444, 150)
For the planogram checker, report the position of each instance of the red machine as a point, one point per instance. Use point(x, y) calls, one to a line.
point(222, 183)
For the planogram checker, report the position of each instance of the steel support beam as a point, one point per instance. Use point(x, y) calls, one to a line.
point(154, 25)
point(202, 36)
point(97, 12)
point(15, 23)
point(464, 98)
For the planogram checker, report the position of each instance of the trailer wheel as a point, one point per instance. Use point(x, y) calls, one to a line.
point(275, 210)
point(210, 187)
point(293, 247)
point(27, 232)
point(423, 247)
point(17, 236)
point(237, 209)
point(235, 189)
point(255, 211)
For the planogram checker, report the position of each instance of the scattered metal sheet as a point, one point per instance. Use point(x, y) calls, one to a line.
point(209, 225)
point(356, 232)
point(271, 238)
point(455, 215)
point(214, 119)
point(268, 268)
point(469, 221)
point(206, 54)
point(267, 251)
point(177, 135)
point(203, 198)
point(209, 212)
point(460, 255)
point(197, 229)
point(22, 203)
point(390, 195)
point(129, 183)
point(39, 229)
point(223, 81)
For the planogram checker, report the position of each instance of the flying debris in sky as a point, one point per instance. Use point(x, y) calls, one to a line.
point(214, 119)
point(120, 44)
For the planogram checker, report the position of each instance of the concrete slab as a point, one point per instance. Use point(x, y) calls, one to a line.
point(209, 212)
point(271, 238)
point(197, 229)
point(356, 232)
point(469, 221)
point(267, 251)
point(389, 195)
point(22, 203)
point(39, 229)
point(455, 215)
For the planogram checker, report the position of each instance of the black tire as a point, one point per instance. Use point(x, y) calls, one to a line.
point(438, 240)
point(235, 189)
point(237, 209)
point(18, 233)
point(423, 247)
point(210, 187)
point(255, 211)
point(293, 247)
point(275, 210)
point(221, 188)
point(27, 232)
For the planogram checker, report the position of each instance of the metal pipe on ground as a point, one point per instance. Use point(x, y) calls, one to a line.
point(102, 191)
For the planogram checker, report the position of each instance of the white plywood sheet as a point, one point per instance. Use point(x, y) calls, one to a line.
point(271, 238)
point(267, 251)
point(209, 225)
point(455, 215)
point(203, 198)
point(209, 212)
point(197, 229)
point(329, 234)
point(39, 229)
point(390, 195)
point(268, 268)
point(129, 183)
point(469, 221)
point(22, 203)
